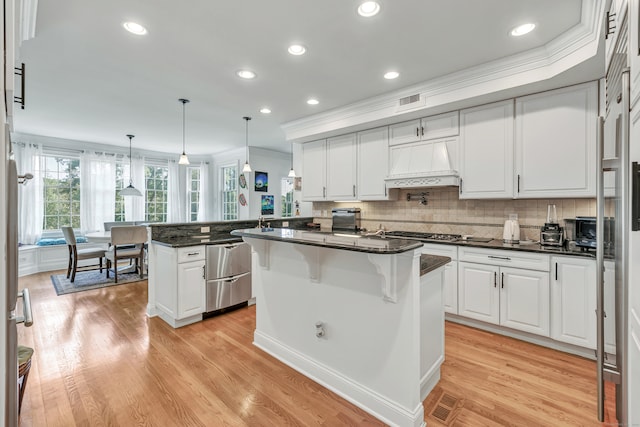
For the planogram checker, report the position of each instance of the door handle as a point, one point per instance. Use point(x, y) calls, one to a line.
point(324, 192)
point(460, 185)
point(417, 131)
point(495, 279)
point(354, 190)
point(27, 317)
point(422, 130)
point(556, 271)
point(518, 183)
point(502, 280)
point(203, 271)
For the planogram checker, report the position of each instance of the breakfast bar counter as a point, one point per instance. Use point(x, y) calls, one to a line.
point(355, 314)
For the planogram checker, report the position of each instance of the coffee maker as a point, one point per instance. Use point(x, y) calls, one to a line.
point(551, 234)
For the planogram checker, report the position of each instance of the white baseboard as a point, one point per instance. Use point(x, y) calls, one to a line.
point(430, 379)
point(380, 407)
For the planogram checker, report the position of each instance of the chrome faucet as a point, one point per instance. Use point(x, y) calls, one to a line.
point(260, 220)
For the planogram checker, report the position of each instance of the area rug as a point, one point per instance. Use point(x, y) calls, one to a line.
point(91, 279)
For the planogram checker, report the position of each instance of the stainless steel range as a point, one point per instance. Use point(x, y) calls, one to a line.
point(427, 237)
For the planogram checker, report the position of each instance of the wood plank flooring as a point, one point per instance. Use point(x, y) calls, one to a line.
point(99, 361)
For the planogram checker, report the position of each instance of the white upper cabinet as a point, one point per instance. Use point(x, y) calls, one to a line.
point(373, 164)
point(341, 167)
point(347, 167)
point(440, 126)
point(314, 166)
point(486, 151)
point(555, 143)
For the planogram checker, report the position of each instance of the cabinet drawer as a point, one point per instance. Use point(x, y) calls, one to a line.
point(192, 253)
point(516, 259)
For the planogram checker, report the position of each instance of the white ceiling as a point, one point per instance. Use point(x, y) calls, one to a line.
point(90, 80)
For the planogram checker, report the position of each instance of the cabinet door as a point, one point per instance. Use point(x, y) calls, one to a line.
point(314, 169)
point(191, 289)
point(524, 300)
point(373, 164)
point(573, 301)
point(440, 126)
point(401, 133)
point(341, 167)
point(556, 143)
point(451, 288)
point(478, 294)
point(486, 151)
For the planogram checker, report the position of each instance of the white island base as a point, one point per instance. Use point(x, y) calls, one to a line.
point(366, 326)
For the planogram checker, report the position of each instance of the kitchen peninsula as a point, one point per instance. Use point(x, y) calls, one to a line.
point(362, 316)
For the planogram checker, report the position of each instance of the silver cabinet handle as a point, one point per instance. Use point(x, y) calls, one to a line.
point(354, 190)
point(500, 257)
point(204, 271)
point(324, 191)
point(502, 280)
point(460, 185)
point(417, 131)
point(27, 317)
point(193, 253)
point(495, 279)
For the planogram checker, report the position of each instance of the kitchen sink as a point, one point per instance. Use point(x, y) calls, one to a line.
point(477, 239)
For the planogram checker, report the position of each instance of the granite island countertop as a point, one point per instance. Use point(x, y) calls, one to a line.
point(350, 242)
point(429, 262)
point(202, 239)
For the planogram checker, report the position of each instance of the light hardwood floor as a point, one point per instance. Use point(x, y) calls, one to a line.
point(99, 361)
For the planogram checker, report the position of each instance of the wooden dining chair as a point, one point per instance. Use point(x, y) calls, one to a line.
point(76, 254)
point(121, 240)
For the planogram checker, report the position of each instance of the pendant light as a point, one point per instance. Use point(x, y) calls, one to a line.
point(246, 167)
point(130, 190)
point(184, 160)
point(292, 173)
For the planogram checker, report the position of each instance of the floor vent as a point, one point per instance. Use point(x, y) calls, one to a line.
point(445, 408)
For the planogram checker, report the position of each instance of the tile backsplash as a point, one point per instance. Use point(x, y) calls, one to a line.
point(446, 213)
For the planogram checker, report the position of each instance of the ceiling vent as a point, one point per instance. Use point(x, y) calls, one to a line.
point(410, 102)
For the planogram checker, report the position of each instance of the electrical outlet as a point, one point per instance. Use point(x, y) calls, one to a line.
point(205, 229)
point(285, 224)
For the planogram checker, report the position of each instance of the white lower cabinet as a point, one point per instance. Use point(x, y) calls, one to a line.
point(179, 283)
point(191, 288)
point(450, 287)
point(573, 300)
point(501, 291)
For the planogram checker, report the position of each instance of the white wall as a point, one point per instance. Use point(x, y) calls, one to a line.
point(277, 165)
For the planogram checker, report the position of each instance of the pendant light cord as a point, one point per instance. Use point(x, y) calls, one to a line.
point(247, 118)
point(130, 159)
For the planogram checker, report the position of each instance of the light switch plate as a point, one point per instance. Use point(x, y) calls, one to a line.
point(205, 229)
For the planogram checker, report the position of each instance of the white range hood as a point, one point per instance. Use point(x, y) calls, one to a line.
point(424, 164)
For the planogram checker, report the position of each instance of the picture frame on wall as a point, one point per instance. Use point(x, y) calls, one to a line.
point(261, 181)
point(267, 204)
point(297, 183)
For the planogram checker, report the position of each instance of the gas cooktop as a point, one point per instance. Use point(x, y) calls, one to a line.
point(424, 236)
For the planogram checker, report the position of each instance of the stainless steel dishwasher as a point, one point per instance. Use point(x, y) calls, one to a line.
point(228, 275)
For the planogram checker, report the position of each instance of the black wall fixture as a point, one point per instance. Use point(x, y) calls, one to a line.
point(635, 196)
point(20, 71)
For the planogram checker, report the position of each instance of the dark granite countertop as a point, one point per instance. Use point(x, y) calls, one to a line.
point(527, 247)
point(429, 263)
point(202, 239)
point(350, 242)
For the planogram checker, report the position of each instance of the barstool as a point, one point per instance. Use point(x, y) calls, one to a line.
point(24, 365)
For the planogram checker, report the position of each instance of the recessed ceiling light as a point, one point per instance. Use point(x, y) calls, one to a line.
point(135, 28)
point(246, 74)
point(297, 49)
point(265, 110)
point(312, 101)
point(368, 9)
point(391, 75)
point(523, 29)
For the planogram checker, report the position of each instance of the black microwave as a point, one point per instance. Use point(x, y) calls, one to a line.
point(585, 232)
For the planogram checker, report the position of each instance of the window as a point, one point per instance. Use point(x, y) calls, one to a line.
point(122, 180)
point(193, 193)
point(229, 192)
point(156, 193)
point(61, 192)
point(286, 187)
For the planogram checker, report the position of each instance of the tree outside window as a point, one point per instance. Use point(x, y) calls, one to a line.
point(156, 193)
point(229, 192)
point(193, 193)
point(61, 192)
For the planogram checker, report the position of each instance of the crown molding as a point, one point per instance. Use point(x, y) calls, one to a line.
point(28, 14)
point(569, 49)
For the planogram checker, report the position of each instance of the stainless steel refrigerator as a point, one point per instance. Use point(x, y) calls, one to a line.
point(10, 219)
point(613, 201)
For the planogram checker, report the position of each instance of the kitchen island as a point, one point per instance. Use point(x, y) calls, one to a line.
point(362, 316)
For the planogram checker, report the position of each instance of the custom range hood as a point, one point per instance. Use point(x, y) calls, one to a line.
point(424, 164)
